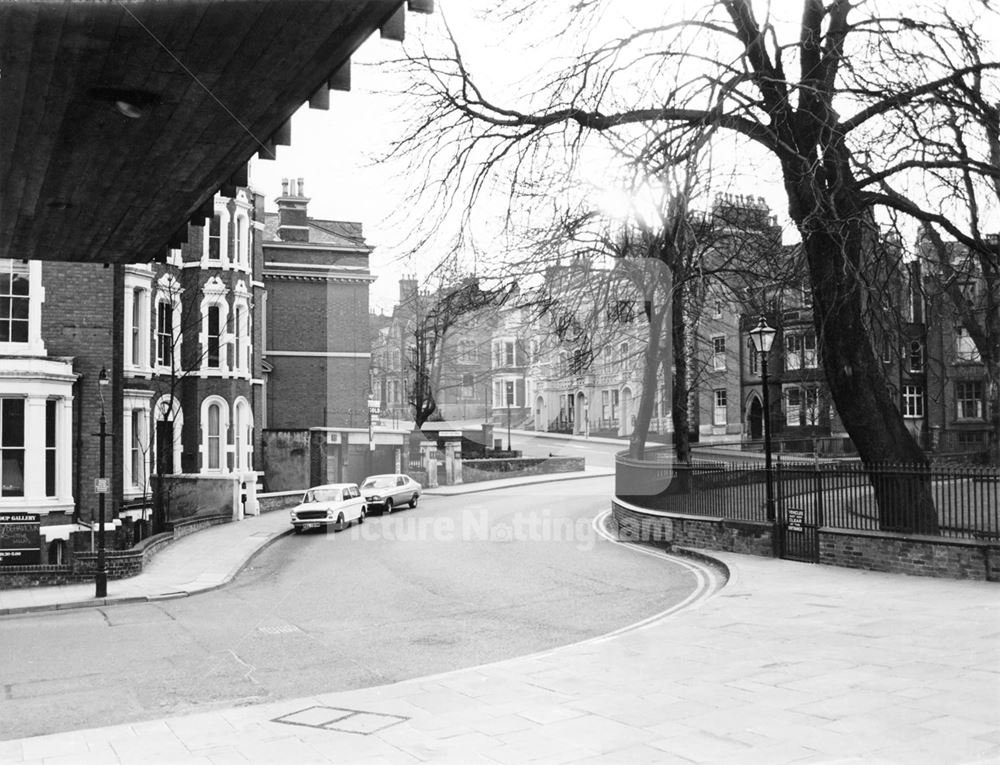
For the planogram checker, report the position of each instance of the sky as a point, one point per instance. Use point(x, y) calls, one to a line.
point(336, 151)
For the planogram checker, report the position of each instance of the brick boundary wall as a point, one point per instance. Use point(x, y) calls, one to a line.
point(887, 552)
point(279, 500)
point(490, 469)
point(121, 564)
point(637, 524)
point(916, 555)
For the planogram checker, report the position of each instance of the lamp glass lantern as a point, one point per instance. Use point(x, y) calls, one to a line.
point(762, 337)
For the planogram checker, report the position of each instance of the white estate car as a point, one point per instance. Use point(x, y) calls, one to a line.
point(383, 492)
point(334, 504)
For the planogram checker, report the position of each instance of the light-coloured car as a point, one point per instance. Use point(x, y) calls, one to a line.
point(333, 504)
point(390, 490)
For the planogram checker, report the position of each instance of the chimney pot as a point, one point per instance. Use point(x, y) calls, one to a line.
point(284, 187)
point(302, 187)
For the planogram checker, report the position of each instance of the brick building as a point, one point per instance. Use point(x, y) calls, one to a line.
point(177, 344)
point(317, 349)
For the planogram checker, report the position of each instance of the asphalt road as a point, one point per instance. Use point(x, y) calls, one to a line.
point(456, 582)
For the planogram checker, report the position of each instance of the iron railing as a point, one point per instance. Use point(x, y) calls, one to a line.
point(938, 500)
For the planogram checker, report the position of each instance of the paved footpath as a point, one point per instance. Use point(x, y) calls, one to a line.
point(787, 663)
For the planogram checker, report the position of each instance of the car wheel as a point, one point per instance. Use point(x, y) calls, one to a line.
point(340, 522)
point(388, 507)
point(364, 512)
point(413, 500)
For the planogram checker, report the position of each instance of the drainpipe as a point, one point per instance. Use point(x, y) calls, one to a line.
point(78, 446)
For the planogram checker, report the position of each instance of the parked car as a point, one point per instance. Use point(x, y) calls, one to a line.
point(389, 490)
point(333, 504)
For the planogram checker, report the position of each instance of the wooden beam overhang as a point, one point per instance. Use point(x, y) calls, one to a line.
point(119, 121)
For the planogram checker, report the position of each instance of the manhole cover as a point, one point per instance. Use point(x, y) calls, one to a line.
point(343, 720)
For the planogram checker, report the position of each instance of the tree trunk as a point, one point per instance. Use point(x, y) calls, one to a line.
point(651, 365)
point(680, 393)
point(852, 370)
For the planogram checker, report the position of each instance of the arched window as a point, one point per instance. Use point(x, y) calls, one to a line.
point(215, 435)
point(242, 435)
point(214, 338)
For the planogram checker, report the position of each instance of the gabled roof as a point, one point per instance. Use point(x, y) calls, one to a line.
point(120, 120)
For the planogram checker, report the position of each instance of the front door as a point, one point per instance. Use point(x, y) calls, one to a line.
point(164, 447)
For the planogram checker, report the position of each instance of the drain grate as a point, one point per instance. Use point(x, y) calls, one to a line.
point(343, 720)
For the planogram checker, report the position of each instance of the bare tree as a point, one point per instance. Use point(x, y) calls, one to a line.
point(901, 80)
point(433, 319)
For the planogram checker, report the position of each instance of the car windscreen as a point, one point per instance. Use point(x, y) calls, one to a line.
point(322, 495)
point(378, 483)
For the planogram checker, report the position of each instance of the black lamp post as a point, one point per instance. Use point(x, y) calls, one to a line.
point(508, 425)
point(762, 336)
point(101, 575)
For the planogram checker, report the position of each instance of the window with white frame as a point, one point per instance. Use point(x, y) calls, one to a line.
point(168, 323)
point(793, 406)
point(164, 333)
point(214, 238)
point(504, 353)
point(800, 350)
point(51, 445)
point(623, 354)
point(913, 401)
point(965, 347)
point(916, 356)
point(136, 442)
point(215, 317)
point(242, 330)
point(720, 407)
point(969, 399)
point(718, 353)
point(242, 435)
point(137, 449)
point(12, 446)
point(15, 300)
point(215, 435)
point(21, 297)
point(213, 349)
point(508, 392)
point(793, 352)
point(809, 357)
point(138, 311)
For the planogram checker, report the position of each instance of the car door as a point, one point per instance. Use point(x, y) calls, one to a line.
point(355, 503)
point(399, 491)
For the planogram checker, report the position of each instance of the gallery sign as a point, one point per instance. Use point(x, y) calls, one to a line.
point(20, 539)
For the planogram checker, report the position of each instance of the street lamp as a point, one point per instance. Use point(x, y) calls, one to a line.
point(101, 575)
point(508, 425)
point(762, 336)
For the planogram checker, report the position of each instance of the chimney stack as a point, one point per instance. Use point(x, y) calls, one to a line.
point(293, 220)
